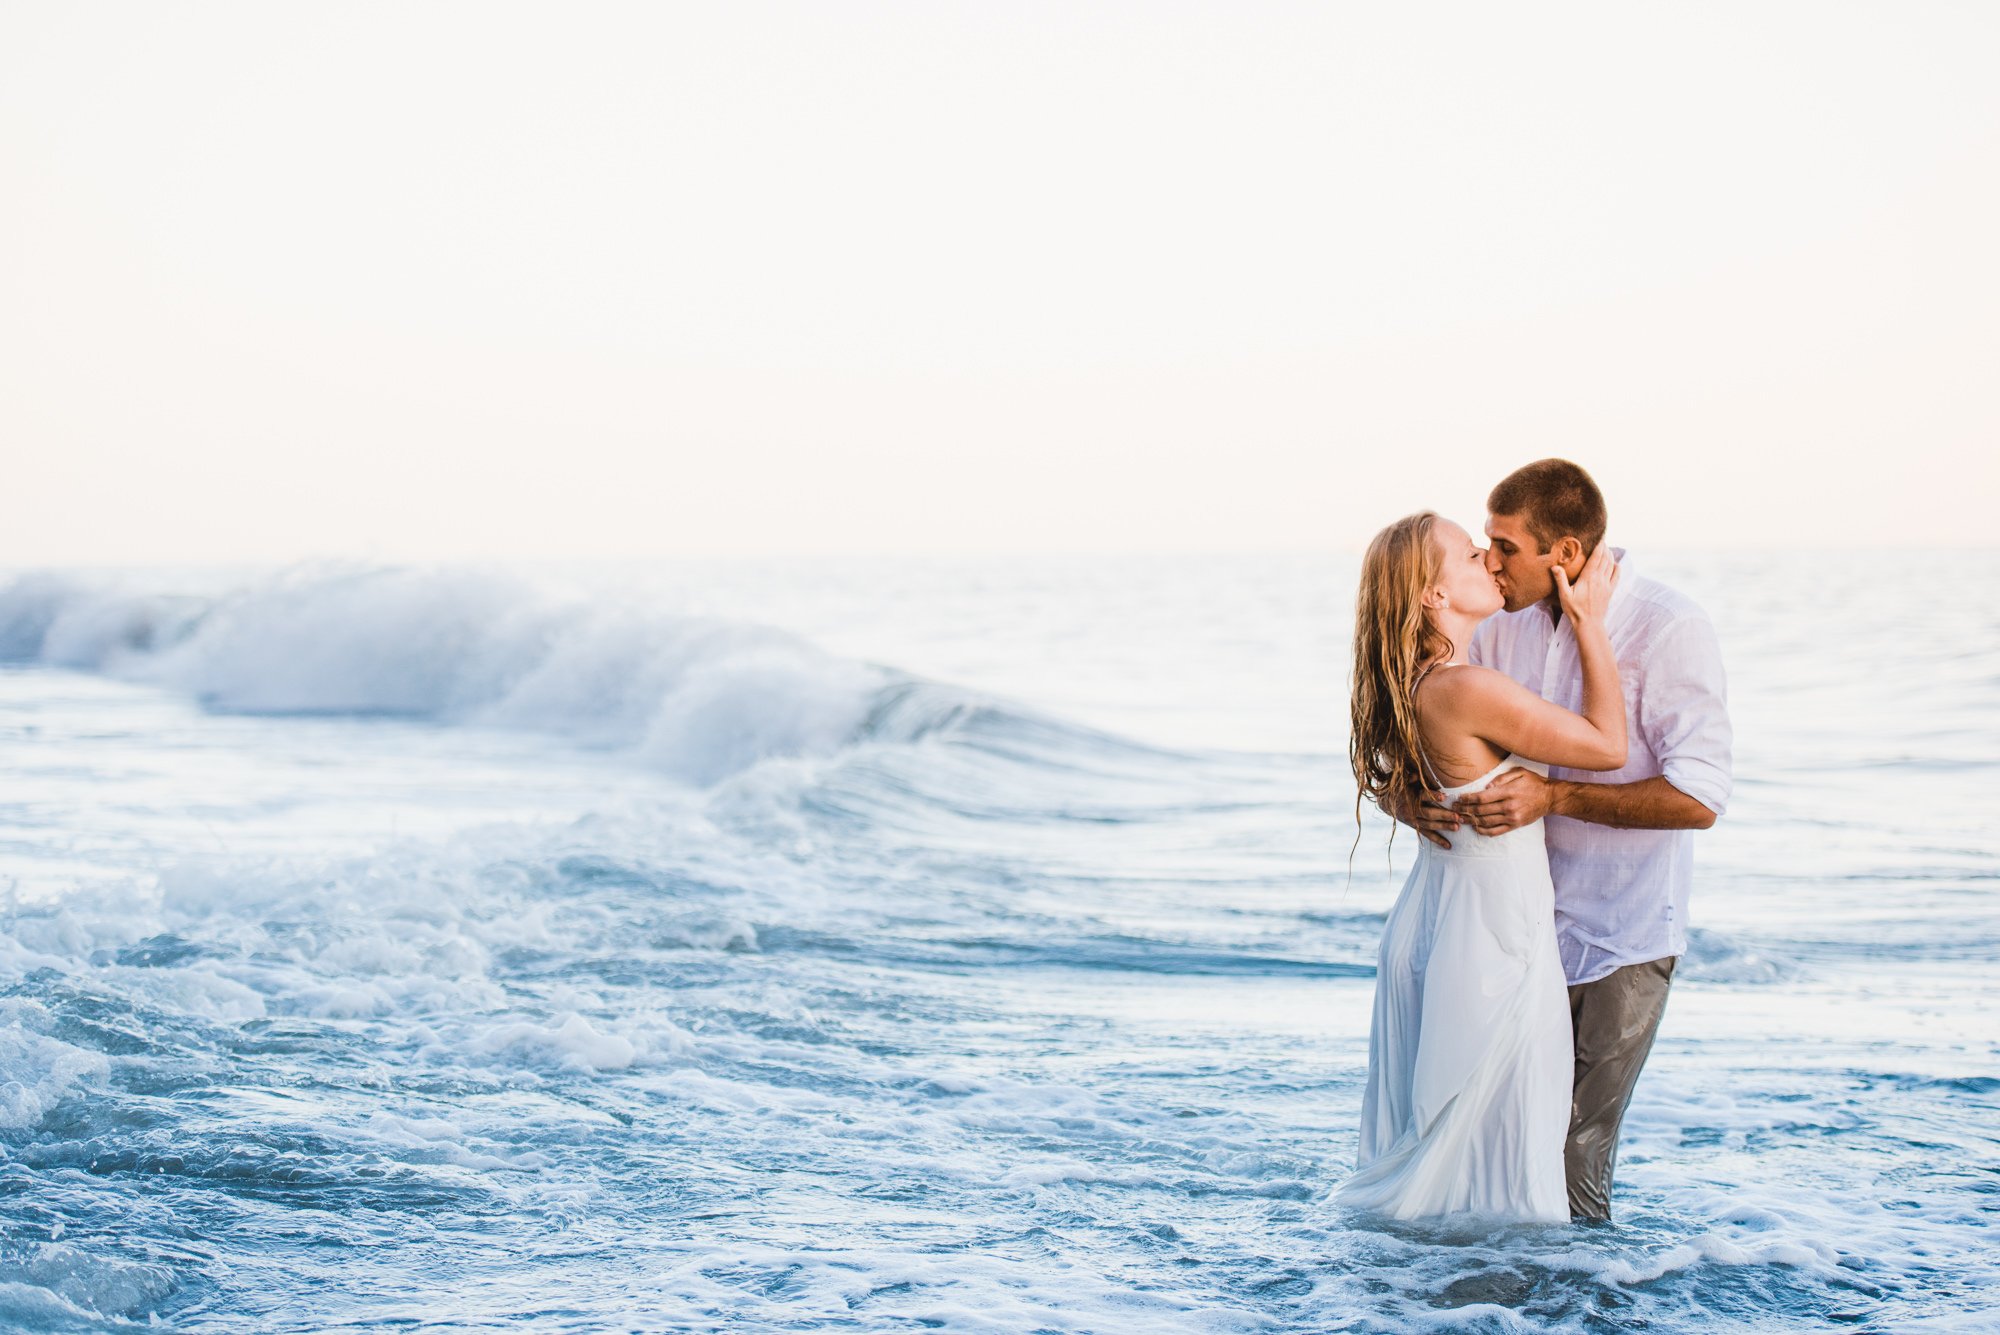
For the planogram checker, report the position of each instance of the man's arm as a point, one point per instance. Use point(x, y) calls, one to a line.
point(1522, 797)
point(1647, 804)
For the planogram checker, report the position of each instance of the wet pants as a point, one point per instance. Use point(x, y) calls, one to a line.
point(1613, 1020)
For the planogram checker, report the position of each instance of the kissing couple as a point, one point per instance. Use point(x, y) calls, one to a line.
point(1555, 725)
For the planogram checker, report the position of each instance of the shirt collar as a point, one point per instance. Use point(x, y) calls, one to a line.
point(1621, 592)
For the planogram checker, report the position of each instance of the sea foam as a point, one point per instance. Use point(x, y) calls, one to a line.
point(696, 697)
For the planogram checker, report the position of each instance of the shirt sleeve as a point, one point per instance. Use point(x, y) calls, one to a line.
point(1684, 711)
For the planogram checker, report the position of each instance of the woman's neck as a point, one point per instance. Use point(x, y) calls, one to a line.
point(1457, 628)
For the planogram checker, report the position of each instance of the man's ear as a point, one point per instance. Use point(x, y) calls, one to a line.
point(1567, 552)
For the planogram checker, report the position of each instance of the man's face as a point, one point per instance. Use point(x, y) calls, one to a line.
point(1517, 561)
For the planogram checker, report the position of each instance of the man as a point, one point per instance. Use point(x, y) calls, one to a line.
point(1620, 842)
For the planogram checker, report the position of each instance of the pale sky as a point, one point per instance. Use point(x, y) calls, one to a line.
point(437, 281)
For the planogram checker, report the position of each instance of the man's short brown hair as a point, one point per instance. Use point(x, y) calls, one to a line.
point(1555, 500)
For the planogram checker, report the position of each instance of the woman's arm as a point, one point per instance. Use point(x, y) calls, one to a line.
point(1495, 707)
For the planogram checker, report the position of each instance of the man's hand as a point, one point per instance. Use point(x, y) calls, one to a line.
point(1431, 819)
point(1518, 797)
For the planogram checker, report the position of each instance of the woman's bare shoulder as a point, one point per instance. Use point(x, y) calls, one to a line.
point(1466, 695)
point(1466, 682)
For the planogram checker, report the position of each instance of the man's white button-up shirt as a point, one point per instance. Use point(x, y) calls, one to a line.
point(1622, 895)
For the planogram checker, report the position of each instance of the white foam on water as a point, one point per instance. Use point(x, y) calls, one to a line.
point(697, 697)
point(852, 1023)
point(38, 1072)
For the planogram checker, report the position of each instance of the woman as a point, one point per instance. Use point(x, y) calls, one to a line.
point(1469, 1056)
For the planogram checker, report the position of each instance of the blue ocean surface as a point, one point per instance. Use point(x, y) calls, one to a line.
point(870, 945)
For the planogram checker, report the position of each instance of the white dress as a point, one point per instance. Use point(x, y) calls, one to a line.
point(1469, 1055)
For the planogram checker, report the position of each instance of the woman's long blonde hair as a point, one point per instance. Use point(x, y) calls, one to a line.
point(1395, 639)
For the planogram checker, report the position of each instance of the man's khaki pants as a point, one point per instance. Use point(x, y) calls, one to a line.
point(1613, 1020)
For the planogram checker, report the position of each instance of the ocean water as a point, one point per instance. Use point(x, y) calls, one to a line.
point(967, 946)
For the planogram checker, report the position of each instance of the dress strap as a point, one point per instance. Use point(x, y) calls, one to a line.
point(1422, 758)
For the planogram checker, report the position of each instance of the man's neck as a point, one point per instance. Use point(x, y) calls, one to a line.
point(1553, 606)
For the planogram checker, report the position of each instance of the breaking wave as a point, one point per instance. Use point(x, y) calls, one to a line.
point(697, 697)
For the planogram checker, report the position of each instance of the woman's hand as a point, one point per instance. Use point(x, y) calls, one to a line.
point(1590, 596)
